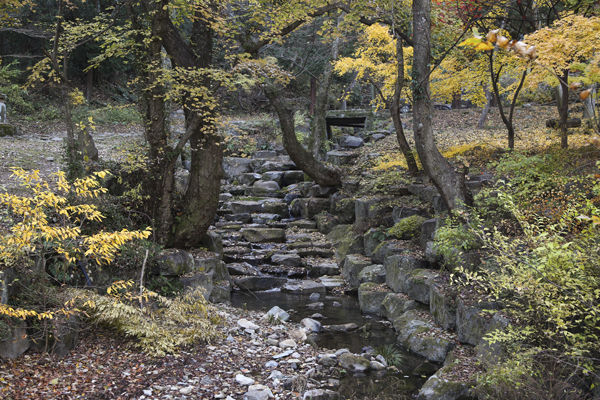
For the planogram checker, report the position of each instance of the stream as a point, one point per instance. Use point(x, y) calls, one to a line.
point(373, 333)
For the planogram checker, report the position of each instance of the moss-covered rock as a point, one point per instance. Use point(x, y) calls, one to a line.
point(372, 238)
point(370, 298)
point(345, 241)
point(407, 228)
point(396, 304)
point(398, 267)
point(442, 306)
point(353, 265)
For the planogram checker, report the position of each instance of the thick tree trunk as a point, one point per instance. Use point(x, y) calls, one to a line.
point(322, 174)
point(563, 108)
point(202, 196)
point(395, 112)
point(449, 183)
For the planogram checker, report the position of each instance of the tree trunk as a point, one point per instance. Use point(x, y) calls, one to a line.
point(319, 125)
point(201, 199)
point(486, 108)
point(395, 111)
point(449, 183)
point(563, 108)
point(202, 196)
point(456, 100)
point(322, 174)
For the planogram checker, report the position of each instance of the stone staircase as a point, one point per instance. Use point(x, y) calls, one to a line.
point(281, 232)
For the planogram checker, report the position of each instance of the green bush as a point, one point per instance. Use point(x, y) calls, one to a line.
point(407, 228)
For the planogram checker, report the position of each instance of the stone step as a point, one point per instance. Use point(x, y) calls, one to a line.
point(259, 283)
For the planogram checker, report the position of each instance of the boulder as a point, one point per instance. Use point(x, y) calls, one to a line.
point(320, 394)
point(396, 304)
point(440, 387)
point(248, 178)
point(265, 154)
point(261, 235)
point(246, 207)
point(311, 325)
point(236, 166)
point(289, 260)
point(325, 268)
point(372, 238)
point(261, 187)
point(276, 207)
point(388, 248)
point(265, 218)
point(342, 207)
point(397, 269)
point(304, 287)
point(277, 166)
point(292, 177)
point(322, 191)
point(370, 298)
point(345, 241)
point(418, 283)
point(339, 158)
point(277, 313)
point(422, 337)
point(352, 142)
point(258, 392)
point(325, 222)
point(442, 306)
point(257, 283)
point(274, 176)
point(472, 323)
point(373, 273)
point(428, 231)
point(373, 211)
point(353, 363)
point(351, 268)
point(175, 262)
point(15, 342)
point(308, 207)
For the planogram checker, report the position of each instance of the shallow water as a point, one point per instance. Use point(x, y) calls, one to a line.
point(373, 332)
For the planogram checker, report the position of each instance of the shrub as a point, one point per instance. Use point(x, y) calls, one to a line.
point(452, 240)
point(407, 228)
point(160, 325)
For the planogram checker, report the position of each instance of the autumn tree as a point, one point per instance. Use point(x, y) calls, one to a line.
point(379, 60)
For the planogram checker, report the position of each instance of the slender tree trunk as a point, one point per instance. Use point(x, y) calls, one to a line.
point(449, 183)
point(486, 108)
point(322, 174)
point(563, 108)
point(395, 111)
point(319, 125)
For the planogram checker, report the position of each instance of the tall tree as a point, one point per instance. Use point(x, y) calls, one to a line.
point(449, 183)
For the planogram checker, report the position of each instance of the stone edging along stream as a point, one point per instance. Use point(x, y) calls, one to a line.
point(282, 233)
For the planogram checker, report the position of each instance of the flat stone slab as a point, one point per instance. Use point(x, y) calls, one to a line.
point(258, 283)
point(304, 287)
point(262, 235)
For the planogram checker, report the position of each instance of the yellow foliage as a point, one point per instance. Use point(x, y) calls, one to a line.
point(52, 219)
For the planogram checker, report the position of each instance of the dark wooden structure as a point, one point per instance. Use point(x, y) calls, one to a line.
point(352, 122)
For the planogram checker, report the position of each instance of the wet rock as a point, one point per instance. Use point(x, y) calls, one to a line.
point(258, 392)
point(175, 262)
point(371, 297)
point(261, 235)
point(257, 283)
point(311, 325)
point(277, 313)
point(373, 273)
point(353, 265)
point(320, 394)
point(289, 260)
point(351, 326)
point(314, 296)
point(246, 207)
point(327, 359)
point(377, 366)
point(315, 306)
point(304, 287)
point(354, 363)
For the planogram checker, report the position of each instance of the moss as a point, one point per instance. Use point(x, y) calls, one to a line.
point(407, 228)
